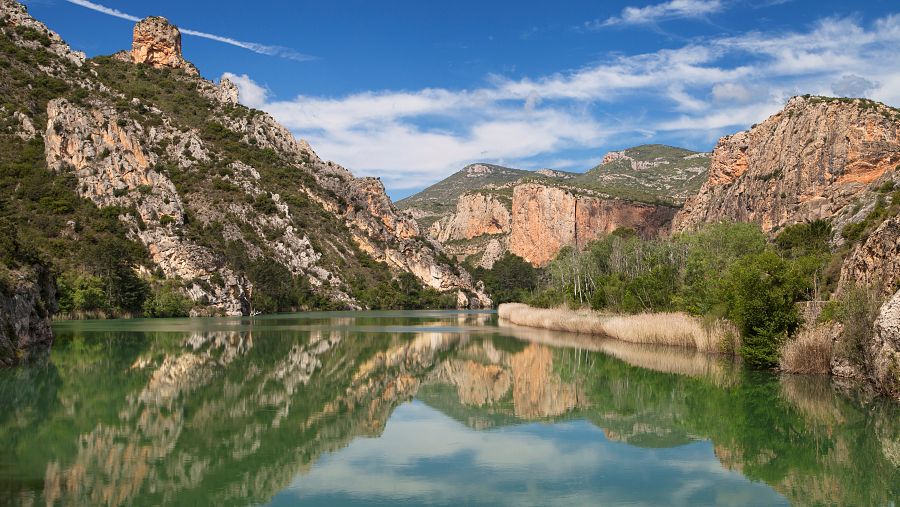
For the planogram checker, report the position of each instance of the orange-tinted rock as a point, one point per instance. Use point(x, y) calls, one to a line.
point(806, 162)
point(545, 219)
point(157, 43)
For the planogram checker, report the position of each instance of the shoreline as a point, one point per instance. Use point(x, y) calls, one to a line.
point(672, 329)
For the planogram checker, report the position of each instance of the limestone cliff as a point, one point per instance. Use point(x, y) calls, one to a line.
point(27, 300)
point(545, 219)
point(809, 161)
point(476, 214)
point(225, 202)
point(884, 348)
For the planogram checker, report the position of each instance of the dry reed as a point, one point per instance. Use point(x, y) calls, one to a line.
point(809, 352)
point(677, 329)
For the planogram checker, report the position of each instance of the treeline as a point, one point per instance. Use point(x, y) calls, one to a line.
point(729, 270)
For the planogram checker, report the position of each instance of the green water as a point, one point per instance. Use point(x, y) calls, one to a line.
point(442, 408)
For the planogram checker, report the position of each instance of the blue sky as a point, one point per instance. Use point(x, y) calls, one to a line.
point(411, 91)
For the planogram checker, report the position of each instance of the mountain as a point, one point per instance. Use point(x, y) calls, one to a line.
point(439, 200)
point(649, 172)
point(483, 211)
point(145, 188)
point(830, 159)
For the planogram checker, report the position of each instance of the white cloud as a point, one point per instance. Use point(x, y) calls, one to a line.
point(694, 93)
point(250, 93)
point(673, 9)
point(252, 46)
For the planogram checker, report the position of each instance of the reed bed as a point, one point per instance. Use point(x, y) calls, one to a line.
point(676, 329)
point(809, 352)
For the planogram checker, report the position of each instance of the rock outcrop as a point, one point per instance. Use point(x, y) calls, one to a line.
point(545, 219)
point(476, 214)
point(157, 43)
point(27, 301)
point(105, 153)
point(876, 261)
point(884, 349)
point(809, 161)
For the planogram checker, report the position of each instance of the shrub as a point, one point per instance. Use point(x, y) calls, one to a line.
point(510, 278)
point(760, 293)
point(856, 309)
point(167, 301)
point(809, 352)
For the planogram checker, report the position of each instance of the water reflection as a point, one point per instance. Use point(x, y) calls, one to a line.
point(238, 412)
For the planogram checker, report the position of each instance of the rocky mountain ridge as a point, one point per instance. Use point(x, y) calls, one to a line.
point(830, 159)
point(215, 198)
point(499, 209)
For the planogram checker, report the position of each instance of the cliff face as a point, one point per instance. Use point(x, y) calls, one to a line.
point(476, 214)
point(545, 219)
point(27, 300)
point(884, 348)
point(809, 161)
point(224, 200)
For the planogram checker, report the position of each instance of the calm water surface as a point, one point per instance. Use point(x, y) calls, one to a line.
point(436, 408)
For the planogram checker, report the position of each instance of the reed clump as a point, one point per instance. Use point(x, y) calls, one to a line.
point(809, 352)
point(669, 328)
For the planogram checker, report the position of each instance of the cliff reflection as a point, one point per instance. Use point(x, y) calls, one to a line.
point(232, 416)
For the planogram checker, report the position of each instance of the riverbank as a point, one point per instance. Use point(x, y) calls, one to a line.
point(671, 328)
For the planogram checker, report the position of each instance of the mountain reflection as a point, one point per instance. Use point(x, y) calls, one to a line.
point(237, 412)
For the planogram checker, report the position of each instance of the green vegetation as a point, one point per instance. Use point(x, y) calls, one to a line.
point(722, 271)
point(510, 279)
point(668, 177)
point(856, 310)
point(884, 208)
point(386, 291)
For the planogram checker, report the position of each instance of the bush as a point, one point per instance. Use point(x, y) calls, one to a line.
point(167, 301)
point(510, 279)
point(760, 293)
point(856, 309)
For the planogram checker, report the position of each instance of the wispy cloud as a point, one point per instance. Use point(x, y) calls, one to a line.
point(690, 94)
point(673, 9)
point(264, 49)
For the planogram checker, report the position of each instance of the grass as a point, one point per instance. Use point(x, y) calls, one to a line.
point(810, 352)
point(675, 329)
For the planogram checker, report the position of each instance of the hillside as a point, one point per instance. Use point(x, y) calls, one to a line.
point(474, 212)
point(650, 172)
point(440, 199)
point(148, 190)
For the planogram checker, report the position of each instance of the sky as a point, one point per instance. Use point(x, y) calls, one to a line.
point(412, 91)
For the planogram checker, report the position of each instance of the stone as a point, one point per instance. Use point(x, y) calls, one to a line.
point(545, 219)
point(228, 91)
point(476, 214)
point(157, 43)
point(27, 301)
point(795, 167)
point(884, 349)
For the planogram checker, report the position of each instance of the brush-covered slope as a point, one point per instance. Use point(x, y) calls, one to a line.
point(650, 172)
point(147, 188)
point(439, 199)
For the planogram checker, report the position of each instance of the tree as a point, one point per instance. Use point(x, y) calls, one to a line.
point(760, 293)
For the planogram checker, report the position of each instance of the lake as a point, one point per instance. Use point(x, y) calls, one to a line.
point(424, 408)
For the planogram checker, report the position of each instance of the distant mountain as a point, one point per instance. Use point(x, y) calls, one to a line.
point(650, 172)
point(440, 199)
point(474, 212)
